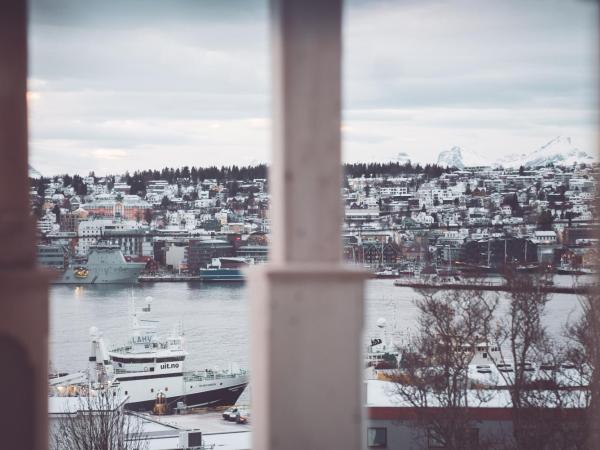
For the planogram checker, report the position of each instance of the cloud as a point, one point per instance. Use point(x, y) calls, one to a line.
point(109, 153)
point(187, 81)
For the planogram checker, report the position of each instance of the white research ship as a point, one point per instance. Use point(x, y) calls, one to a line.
point(150, 365)
point(105, 264)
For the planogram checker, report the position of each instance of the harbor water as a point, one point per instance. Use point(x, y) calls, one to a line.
point(215, 317)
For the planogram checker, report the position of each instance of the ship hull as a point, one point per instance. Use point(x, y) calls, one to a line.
point(105, 275)
point(192, 388)
point(218, 397)
point(105, 265)
point(220, 275)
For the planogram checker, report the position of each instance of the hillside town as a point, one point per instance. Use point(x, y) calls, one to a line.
point(399, 218)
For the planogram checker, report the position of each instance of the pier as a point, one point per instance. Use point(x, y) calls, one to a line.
point(476, 285)
point(167, 278)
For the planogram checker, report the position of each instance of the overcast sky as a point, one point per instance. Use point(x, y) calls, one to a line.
point(121, 85)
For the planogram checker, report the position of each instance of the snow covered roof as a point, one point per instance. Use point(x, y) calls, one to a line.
point(58, 405)
point(382, 393)
point(545, 233)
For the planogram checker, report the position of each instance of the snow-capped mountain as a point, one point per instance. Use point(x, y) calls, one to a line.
point(460, 158)
point(559, 151)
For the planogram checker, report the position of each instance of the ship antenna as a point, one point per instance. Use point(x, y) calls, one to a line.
point(132, 310)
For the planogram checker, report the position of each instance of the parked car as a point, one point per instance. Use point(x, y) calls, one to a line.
point(231, 414)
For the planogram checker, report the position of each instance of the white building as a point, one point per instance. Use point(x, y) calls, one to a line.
point(175, 256)
point(544, 237)
point(221, 216)
point(90, 231)
point(393, 191)
point(47, 223)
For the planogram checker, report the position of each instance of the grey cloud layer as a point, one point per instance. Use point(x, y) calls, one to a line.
point(186, 82)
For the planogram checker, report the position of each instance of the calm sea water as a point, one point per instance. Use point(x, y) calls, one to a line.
point(214, 317)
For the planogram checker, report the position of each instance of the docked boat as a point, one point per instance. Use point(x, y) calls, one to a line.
point(225, 269)
point(567, 269)
point(387, 273)
point(150, 366)
point(529, 268)
point(104, 264)
point(381, 352)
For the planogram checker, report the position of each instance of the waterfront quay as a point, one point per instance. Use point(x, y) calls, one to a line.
point(167, 278)
point(493, 285)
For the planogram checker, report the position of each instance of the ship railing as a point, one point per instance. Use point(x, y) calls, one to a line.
point(121, 371)
point(126, 349)
point(152, 346)
point(212, 375)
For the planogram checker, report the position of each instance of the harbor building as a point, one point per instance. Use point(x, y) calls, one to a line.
point(130, 207)
point(201, 252)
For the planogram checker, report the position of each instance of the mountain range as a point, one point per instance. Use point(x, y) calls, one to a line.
point(559, 151)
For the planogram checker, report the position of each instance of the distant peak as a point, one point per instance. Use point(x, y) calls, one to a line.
point(460, 158)
point(558, 140)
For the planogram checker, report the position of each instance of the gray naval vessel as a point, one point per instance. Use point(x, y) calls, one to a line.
point(105, 264)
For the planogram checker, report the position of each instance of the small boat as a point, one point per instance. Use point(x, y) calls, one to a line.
point(381, 353)
point(387, 273)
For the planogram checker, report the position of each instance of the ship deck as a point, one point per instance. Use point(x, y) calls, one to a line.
point(206, 375)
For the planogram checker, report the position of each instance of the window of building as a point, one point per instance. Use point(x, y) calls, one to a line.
point(377, 437)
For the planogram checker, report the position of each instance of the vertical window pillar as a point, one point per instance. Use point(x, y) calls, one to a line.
point(306, 306)
point(23, 290)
